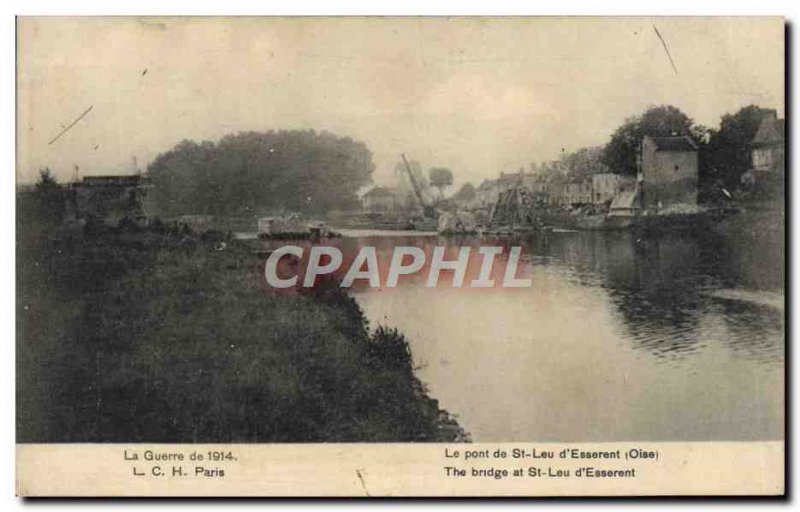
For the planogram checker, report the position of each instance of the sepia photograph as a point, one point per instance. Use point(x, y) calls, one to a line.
point(450, 231)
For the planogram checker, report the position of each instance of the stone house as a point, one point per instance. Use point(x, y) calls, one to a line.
point(767, 149)
point(669, 172)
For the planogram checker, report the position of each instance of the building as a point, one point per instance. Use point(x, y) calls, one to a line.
point(767, 149)
point(538, 184)
point(625, 204)
point(111, 200)
point(484, 194)
point(605, 186)
point(380, 199)
point(577, 191)
point(556, 192)
point(553, 189)
point(389, 199)
point(488, 192)
point(668, 172)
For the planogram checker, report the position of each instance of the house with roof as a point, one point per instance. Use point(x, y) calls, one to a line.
point(668, 172)
point(767, 149)
point(389, 199)
point(577, 191)
point(537, 188)
point(381, 199)
point(556, 190)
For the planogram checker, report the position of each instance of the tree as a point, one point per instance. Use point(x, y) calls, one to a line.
point(49, 197)
point(440, 178)
point(583, 163)
point(257, 172)
point(47, 183)
point(729, 148)
point(465, 194)
point(621, 151)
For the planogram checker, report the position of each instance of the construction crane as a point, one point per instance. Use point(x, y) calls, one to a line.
point(427, 209)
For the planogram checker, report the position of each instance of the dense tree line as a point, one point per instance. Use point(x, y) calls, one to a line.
point(253, 172)
point(441, 178)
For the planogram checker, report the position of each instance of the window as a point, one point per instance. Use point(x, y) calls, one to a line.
point(762, 159)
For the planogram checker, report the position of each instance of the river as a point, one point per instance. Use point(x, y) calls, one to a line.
point(620, 337)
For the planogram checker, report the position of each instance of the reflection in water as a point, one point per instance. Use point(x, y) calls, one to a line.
point(621, 337)
point(663, 288)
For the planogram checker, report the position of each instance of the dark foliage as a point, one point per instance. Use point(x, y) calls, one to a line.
point(729, 152)
point(48, 198)
point(621, 151)
point(466, 193)
point(249, 173)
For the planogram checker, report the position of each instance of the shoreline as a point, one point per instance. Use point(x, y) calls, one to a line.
point(154, 337)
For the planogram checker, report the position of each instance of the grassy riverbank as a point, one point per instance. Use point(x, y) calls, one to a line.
point(155, 337)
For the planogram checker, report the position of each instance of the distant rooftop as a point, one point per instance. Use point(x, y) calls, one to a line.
point(625, 200)
point(770, 131)
point(380, 191)
point(120, 180)
point(683, 143)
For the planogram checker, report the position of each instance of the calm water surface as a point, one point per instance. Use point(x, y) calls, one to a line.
point(620, 337)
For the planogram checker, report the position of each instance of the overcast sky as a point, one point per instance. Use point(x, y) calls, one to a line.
point(479, 96)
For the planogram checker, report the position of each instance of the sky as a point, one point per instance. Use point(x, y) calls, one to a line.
point(476, 95)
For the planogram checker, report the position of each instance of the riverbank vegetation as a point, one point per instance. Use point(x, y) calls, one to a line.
point(163, 337)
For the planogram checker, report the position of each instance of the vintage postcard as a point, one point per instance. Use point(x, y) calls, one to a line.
point(410, 256)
